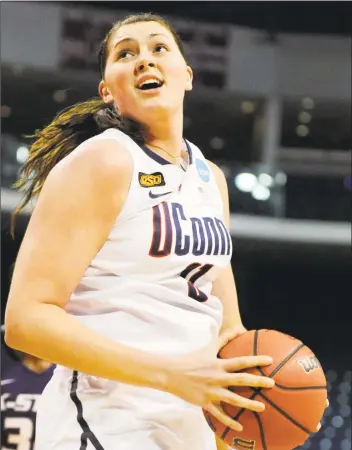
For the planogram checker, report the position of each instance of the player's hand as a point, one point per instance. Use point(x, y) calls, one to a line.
point(230, 334)
point(203, 379)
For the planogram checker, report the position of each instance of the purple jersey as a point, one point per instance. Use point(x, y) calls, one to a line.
point(20, 390)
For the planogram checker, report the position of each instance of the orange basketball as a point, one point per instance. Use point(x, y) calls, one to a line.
point(293, 407)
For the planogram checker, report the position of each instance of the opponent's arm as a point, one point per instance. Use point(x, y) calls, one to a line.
point(224, 287)
point(79, 203)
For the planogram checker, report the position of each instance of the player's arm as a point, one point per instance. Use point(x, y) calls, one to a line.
point(224, 287)
point(76, 210)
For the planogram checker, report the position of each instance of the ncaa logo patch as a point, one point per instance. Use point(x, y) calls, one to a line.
point(150, 180)
point(203, 170)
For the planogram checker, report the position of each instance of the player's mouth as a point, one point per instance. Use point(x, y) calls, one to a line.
point(149, 85)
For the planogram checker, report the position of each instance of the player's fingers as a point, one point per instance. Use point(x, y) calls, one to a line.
point(246, 362)
point(247, 379)
point(226, 337)
point(319, 426)
point(230, 397)
point(219, 414)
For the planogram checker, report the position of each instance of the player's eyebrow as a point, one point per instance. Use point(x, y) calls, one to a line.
point(126, 39)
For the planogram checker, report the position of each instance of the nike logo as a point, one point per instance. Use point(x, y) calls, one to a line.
point(8, 381)
point(151, 195)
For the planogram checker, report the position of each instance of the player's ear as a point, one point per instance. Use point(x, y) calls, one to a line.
point(189, 81)
point(104, 92)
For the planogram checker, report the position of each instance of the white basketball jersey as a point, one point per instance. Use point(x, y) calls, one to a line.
point(149, 286)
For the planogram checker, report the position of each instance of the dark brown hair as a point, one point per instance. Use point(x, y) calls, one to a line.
point(78, 123)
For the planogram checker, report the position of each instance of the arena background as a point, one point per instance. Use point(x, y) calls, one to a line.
point(271, 104)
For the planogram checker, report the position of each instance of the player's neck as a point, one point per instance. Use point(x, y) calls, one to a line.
point(36, 365)
point(167, 134)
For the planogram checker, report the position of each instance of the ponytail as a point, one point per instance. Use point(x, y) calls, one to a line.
point(69, 129)
point(77, 124)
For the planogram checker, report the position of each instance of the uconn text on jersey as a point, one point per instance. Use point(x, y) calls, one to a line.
point(207, 235)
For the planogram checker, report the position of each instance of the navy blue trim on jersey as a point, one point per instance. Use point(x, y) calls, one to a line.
point(159, 159)
point(190, 156)
point(87, 433)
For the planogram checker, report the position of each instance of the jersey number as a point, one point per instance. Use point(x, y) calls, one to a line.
point(191, 274)
point(22, 440)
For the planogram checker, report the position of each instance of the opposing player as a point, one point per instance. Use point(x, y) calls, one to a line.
point(123, 278)
point(22, 382)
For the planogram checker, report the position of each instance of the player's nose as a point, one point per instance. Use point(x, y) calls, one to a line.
point(144, 65)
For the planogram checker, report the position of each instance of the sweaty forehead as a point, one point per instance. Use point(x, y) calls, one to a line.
point(140, 31)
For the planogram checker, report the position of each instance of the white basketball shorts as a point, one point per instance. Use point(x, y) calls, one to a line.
point(81, 412)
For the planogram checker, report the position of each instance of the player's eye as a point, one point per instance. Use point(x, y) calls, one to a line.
point(159, 48)
point(124, 54)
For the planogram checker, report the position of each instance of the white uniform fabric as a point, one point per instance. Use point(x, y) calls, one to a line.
point(149, 287)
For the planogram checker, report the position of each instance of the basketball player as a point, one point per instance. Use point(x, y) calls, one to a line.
point(22, 382)
point(123, 278)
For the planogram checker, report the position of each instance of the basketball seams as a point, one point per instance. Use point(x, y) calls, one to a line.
point(261, 371)
point(281, 364)
point(227, 429)
point(299, 388)
point(284, 361)
point(255, 343)
point(289, 388)
point(284, 413)
point(261, 430)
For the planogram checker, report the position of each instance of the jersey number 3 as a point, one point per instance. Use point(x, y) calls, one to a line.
point(19, 432)
point(191, 274)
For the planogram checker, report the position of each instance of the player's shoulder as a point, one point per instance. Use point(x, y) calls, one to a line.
point(221, 182)
point(218, 172)
point(102, 157)
point(105, 150)
point(218, 175)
